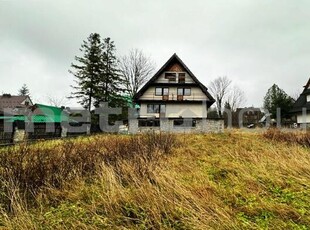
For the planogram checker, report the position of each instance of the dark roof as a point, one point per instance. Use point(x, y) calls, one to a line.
point(307, 86)
point(174, 57)
point(301, 102)
point(10, 101)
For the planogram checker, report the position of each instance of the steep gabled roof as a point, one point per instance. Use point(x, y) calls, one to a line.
point(301, 102)
point(173, 58)
point(307, 85)
point(11, 101)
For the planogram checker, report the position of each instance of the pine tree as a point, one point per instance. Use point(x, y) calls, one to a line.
point(277, 98)
point(109, 87)
point(88, 72)
point(23, 91)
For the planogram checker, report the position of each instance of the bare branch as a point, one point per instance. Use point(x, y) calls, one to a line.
point(136, 69)
point(57, 101)
point(236, 98)
point(219, 88)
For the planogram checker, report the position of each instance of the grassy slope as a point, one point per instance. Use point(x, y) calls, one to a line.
point(221, 181)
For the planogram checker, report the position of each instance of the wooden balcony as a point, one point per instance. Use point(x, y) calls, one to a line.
point(180, 97)
point(165, 97)
point(173, 97)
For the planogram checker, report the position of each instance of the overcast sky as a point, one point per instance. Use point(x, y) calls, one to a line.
point(254, 43)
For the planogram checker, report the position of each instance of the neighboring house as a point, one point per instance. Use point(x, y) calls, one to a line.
point(15, 105)
point(301, 108)
point(248, 115)
point(174, 99)
point(41, 121)
point(39, 114)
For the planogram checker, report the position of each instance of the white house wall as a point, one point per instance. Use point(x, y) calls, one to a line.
point(177, 110)
point(186, 110)
point(301, 119)
point(27, 101)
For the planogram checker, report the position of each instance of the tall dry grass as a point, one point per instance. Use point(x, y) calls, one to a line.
point(301, 138)
point(29, 169)
point(157, 181)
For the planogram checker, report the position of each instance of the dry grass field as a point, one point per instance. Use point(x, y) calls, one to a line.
point(234, 180)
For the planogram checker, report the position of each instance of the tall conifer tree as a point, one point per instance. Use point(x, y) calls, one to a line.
point(88, 72)
point(109, 87)
point(277, 98)
point(23, 91)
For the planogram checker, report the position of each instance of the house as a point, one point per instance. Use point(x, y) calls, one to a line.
point(174, 100)
point(249, 116)
point(15, 105)
point(301, 108)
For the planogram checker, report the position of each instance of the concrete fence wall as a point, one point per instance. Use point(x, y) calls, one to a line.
point(167, 125)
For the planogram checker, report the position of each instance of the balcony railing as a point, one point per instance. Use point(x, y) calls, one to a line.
point(173, 97)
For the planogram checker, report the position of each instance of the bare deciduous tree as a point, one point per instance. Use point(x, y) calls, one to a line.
point(57, 101)
point(219, 88)
point(136, 69)
point(235, 98)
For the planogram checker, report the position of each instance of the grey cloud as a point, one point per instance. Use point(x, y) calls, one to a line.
point(255, 43)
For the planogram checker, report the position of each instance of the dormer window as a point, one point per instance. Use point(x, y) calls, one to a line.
point(161, 91)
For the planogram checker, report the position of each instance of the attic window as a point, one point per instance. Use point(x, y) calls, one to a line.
point(181, 77)
point(171, 76)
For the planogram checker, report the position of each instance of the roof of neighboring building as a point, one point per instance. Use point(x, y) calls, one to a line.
point(302, 102)
point(11, 101)
point(51, 113)
point(174, 57)
point(41, 114)
point(129, 101)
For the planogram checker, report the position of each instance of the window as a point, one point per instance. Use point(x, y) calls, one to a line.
point(153, 108)
point(184, 122)
point(181, 77)
point(149, 123)
point(158, 91)
point(161, 91)
point(187, 91)
point(171, 76)
point(184, 91)
point(156, 108)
